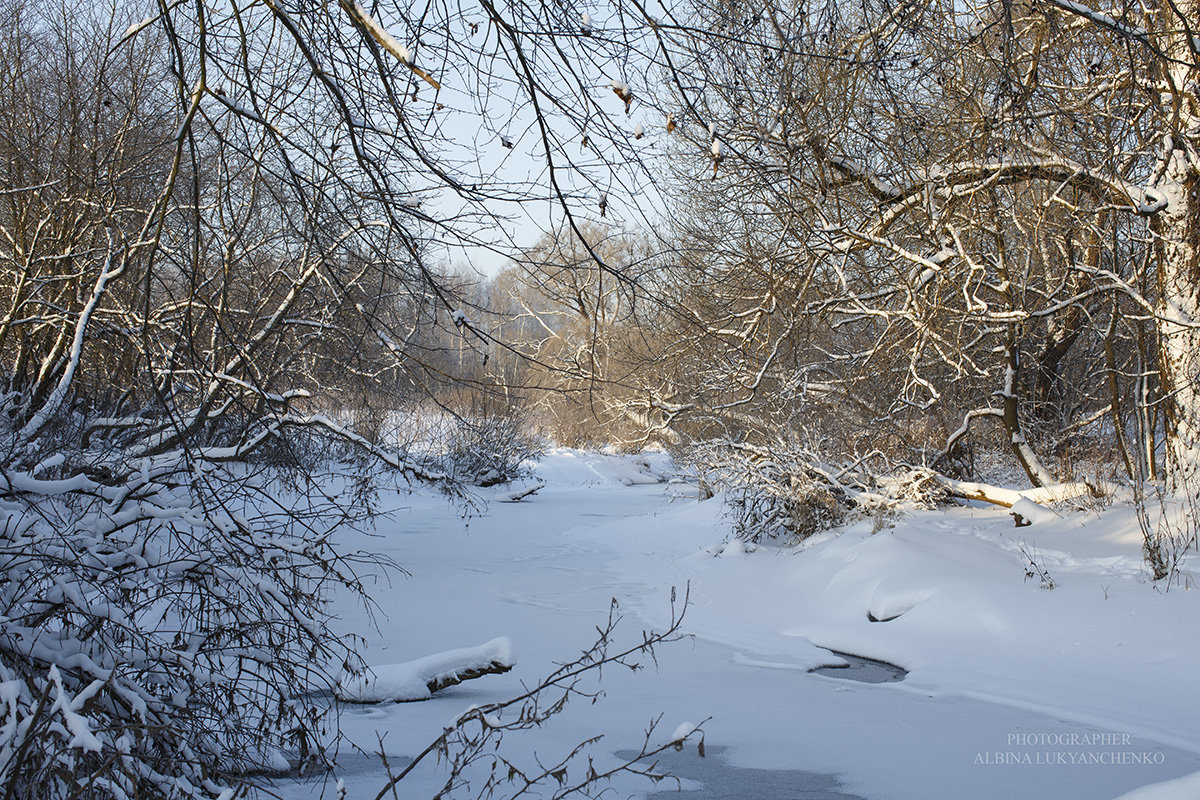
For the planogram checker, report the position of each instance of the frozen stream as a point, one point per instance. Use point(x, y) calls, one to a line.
point(543, 572)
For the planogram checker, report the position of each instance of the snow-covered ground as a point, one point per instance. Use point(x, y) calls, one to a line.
point(1088, 690)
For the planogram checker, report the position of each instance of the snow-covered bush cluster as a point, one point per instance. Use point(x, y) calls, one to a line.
point(905, 485)
point(770, 501)
point(484, 450)
point(159, 635)
point(769, 497)
point(787, 492)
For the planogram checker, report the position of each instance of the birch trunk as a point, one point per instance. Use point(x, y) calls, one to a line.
point(1178, 231)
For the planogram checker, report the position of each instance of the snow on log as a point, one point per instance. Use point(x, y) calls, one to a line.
point(1026, 512)
point(418, 680)
point(518, 495)
point(1000, 496)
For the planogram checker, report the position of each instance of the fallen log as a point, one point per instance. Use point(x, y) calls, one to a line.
point(453, 679)
point(1000, 496)
point(418, 680)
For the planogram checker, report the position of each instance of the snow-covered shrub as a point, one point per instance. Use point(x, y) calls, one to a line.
point(779, 504)
point(158, 638)
point(769, 496)
point(909, 485)
point(787, 492)
point(491, 445)
point(957, 462)
point(1170, 536)
point(302, 449)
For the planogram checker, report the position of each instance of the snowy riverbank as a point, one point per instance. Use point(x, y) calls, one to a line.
point(1013, 690)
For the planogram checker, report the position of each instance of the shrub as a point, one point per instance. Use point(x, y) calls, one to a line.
point(157, 638)
point(787, 493)
point(491, 444)
point(769, 495)
point(771, 502)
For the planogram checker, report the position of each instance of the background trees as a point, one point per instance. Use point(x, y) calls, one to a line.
point(917, 219)
point(581, 309)
point(219, 228)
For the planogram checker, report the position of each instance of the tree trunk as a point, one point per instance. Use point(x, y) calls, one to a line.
point(1034, 468)
point(1179, 338)
point(1178, 230)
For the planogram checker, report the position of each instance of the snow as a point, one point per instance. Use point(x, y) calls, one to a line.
point(1088, 690)
point(517, 495)
point(684, 730)
point(1030, 512)
point(380, 33)
point(138, 27)
point(1185, 788)
point(81, 734)
point(56, 460)
point(1100, 18)
point(410, 681)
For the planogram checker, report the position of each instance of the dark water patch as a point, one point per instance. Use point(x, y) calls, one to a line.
point(865, 670)
point(349, 764)
point(722, 781)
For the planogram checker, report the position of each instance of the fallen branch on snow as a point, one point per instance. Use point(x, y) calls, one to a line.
point(418, 680)
point(519, 495)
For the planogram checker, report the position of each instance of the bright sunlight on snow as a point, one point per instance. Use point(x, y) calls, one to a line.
point(1012, 689)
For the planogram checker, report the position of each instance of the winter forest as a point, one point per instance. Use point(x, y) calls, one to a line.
point(826, 372)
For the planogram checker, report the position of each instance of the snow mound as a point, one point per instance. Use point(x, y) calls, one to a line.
point(886, 606)
point(417, 680)
point(1185, 788)
point(1027, 512)
point(733, 548)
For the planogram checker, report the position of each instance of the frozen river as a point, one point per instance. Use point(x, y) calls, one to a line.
point(543, 572)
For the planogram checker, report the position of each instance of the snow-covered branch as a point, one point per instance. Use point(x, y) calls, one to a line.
point(420, 679)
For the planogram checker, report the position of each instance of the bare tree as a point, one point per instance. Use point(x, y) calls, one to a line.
point(588, 336)
point(947, 215)
point(215, 220)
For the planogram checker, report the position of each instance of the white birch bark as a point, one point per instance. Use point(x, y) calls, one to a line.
point(1178, 229)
